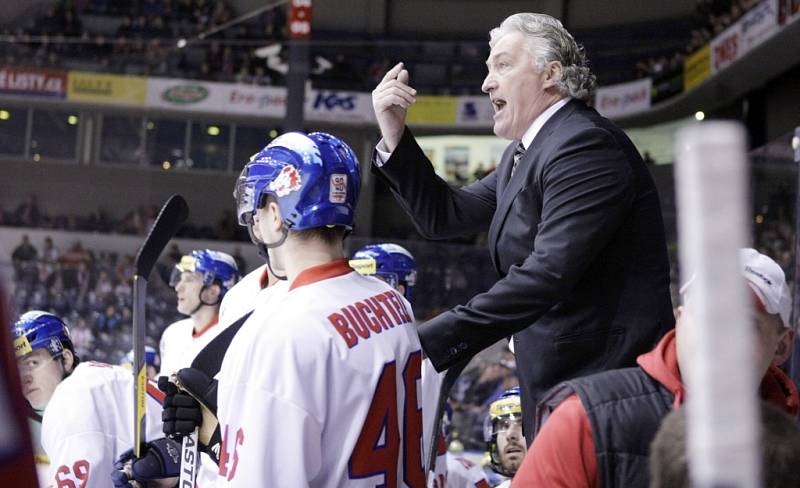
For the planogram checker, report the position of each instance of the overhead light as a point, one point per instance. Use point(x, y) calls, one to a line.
point(4, 115)
point(181, 43)
point(699, 115)
point(150, 125)
point(166, 165)
point(72, 119)
point(273, 133)
point(213, 130)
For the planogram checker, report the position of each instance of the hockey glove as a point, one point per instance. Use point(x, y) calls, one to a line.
point(191, 404)
point(159, 466)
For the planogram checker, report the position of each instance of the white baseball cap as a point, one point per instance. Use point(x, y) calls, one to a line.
point(767, 281)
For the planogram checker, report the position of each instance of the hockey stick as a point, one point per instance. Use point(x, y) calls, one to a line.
point(172, 215)
point(189, 454)
point(448, 381)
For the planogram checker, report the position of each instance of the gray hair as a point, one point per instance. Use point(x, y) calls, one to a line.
point(548, 41)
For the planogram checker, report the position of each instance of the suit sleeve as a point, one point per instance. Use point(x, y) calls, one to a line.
point(562, 454)
point(438, 210)
point(586, 193)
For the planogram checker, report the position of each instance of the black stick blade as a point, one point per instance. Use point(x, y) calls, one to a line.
point(172, 215)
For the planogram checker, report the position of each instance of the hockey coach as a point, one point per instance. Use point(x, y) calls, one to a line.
point(573, 218)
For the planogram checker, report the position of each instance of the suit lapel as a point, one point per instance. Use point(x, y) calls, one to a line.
point(508, 187)
point(503, 172)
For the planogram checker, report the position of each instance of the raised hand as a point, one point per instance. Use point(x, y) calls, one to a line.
point(390, 101)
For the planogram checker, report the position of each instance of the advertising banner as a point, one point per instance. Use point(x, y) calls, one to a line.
point(697, 68)
point(338, 106)
point(84, 86)
point(788, 11)
point(623, 99)
point(433, 110)
point(759, 24)
point(475, 111)
point(33, 82)
point(726, 48)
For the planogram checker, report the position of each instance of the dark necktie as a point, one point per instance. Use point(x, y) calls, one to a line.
point(518, 153)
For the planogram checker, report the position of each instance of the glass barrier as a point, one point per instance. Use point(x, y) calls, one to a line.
point(54, 135)
point(121, 139)
point(165, 145)
point(209, 146)
point(249, 141)
point(13, 129)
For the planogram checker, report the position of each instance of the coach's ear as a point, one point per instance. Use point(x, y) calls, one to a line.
point(68, 361)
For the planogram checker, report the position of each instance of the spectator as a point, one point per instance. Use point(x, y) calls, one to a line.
point(28, 213)
point(601, 426)
point(23, 258)
point(780, 451)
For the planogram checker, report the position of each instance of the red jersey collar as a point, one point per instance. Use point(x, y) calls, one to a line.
point(321, 272)
point(206, 327)
point(264, 280)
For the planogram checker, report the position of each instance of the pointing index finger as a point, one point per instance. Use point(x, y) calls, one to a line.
point(392, 73)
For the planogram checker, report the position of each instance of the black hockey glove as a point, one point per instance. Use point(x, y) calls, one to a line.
point(191, 404)
point(159, 466)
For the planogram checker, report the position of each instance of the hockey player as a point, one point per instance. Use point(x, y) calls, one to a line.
point(389, 262)
point(319, 387)
point(201, 279)
point(88, 407)
point(503, 434)
point(151, 359)
point(395, 265)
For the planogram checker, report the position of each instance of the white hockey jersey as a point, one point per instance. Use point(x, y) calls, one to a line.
point(179, 344)
point(429, 398)
point(242, 297)
point(321, 387)
point(88, 424)
point(460, 473)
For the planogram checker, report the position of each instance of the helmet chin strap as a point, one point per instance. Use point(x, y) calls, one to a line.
point(200, 299)
point(263, 248)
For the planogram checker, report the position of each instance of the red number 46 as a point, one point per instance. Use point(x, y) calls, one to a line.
point(369, 458)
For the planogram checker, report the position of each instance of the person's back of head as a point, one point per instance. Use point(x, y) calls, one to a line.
point(310, 184)
point(780, 451)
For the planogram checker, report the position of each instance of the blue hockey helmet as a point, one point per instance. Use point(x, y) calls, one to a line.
point(40, 330)
point(390, 262)
point(315, 179)
point(151, 358)
point(212, 266)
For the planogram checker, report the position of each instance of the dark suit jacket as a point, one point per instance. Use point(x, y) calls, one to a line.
point(577, 238)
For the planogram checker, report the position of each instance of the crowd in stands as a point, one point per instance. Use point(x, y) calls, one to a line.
point(92, 291)
point(136, 222)
point(714, 16)
point(140, 37)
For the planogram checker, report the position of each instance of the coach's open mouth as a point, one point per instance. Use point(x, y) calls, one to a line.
point(498, 104)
